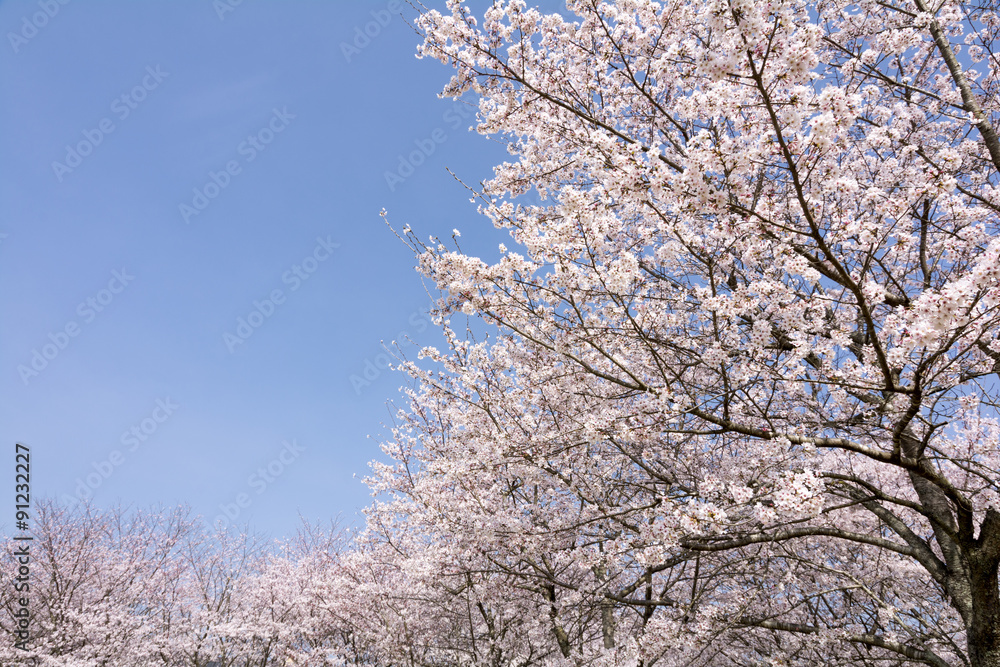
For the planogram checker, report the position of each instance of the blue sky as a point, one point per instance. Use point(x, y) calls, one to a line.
point(169, 169)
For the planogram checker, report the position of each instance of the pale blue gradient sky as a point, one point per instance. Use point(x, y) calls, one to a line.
point(161, 336)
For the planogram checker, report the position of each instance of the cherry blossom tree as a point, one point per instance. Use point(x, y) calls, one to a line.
point(290, 600)
point(737, 404)
point(417, 599)
point(99, 585)
point(149, 589)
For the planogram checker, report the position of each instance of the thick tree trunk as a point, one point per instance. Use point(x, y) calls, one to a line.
point(984, 630)
point(981, 655)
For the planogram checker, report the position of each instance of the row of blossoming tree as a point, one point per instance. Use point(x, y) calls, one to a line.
point(138, 588)
point(737, 403)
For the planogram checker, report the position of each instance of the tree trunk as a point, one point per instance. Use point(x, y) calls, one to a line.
point(984, 630)
point(984, 637)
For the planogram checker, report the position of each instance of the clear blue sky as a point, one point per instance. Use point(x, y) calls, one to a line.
point(113, 115)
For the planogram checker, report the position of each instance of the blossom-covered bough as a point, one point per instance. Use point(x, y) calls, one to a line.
point(739, 404)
